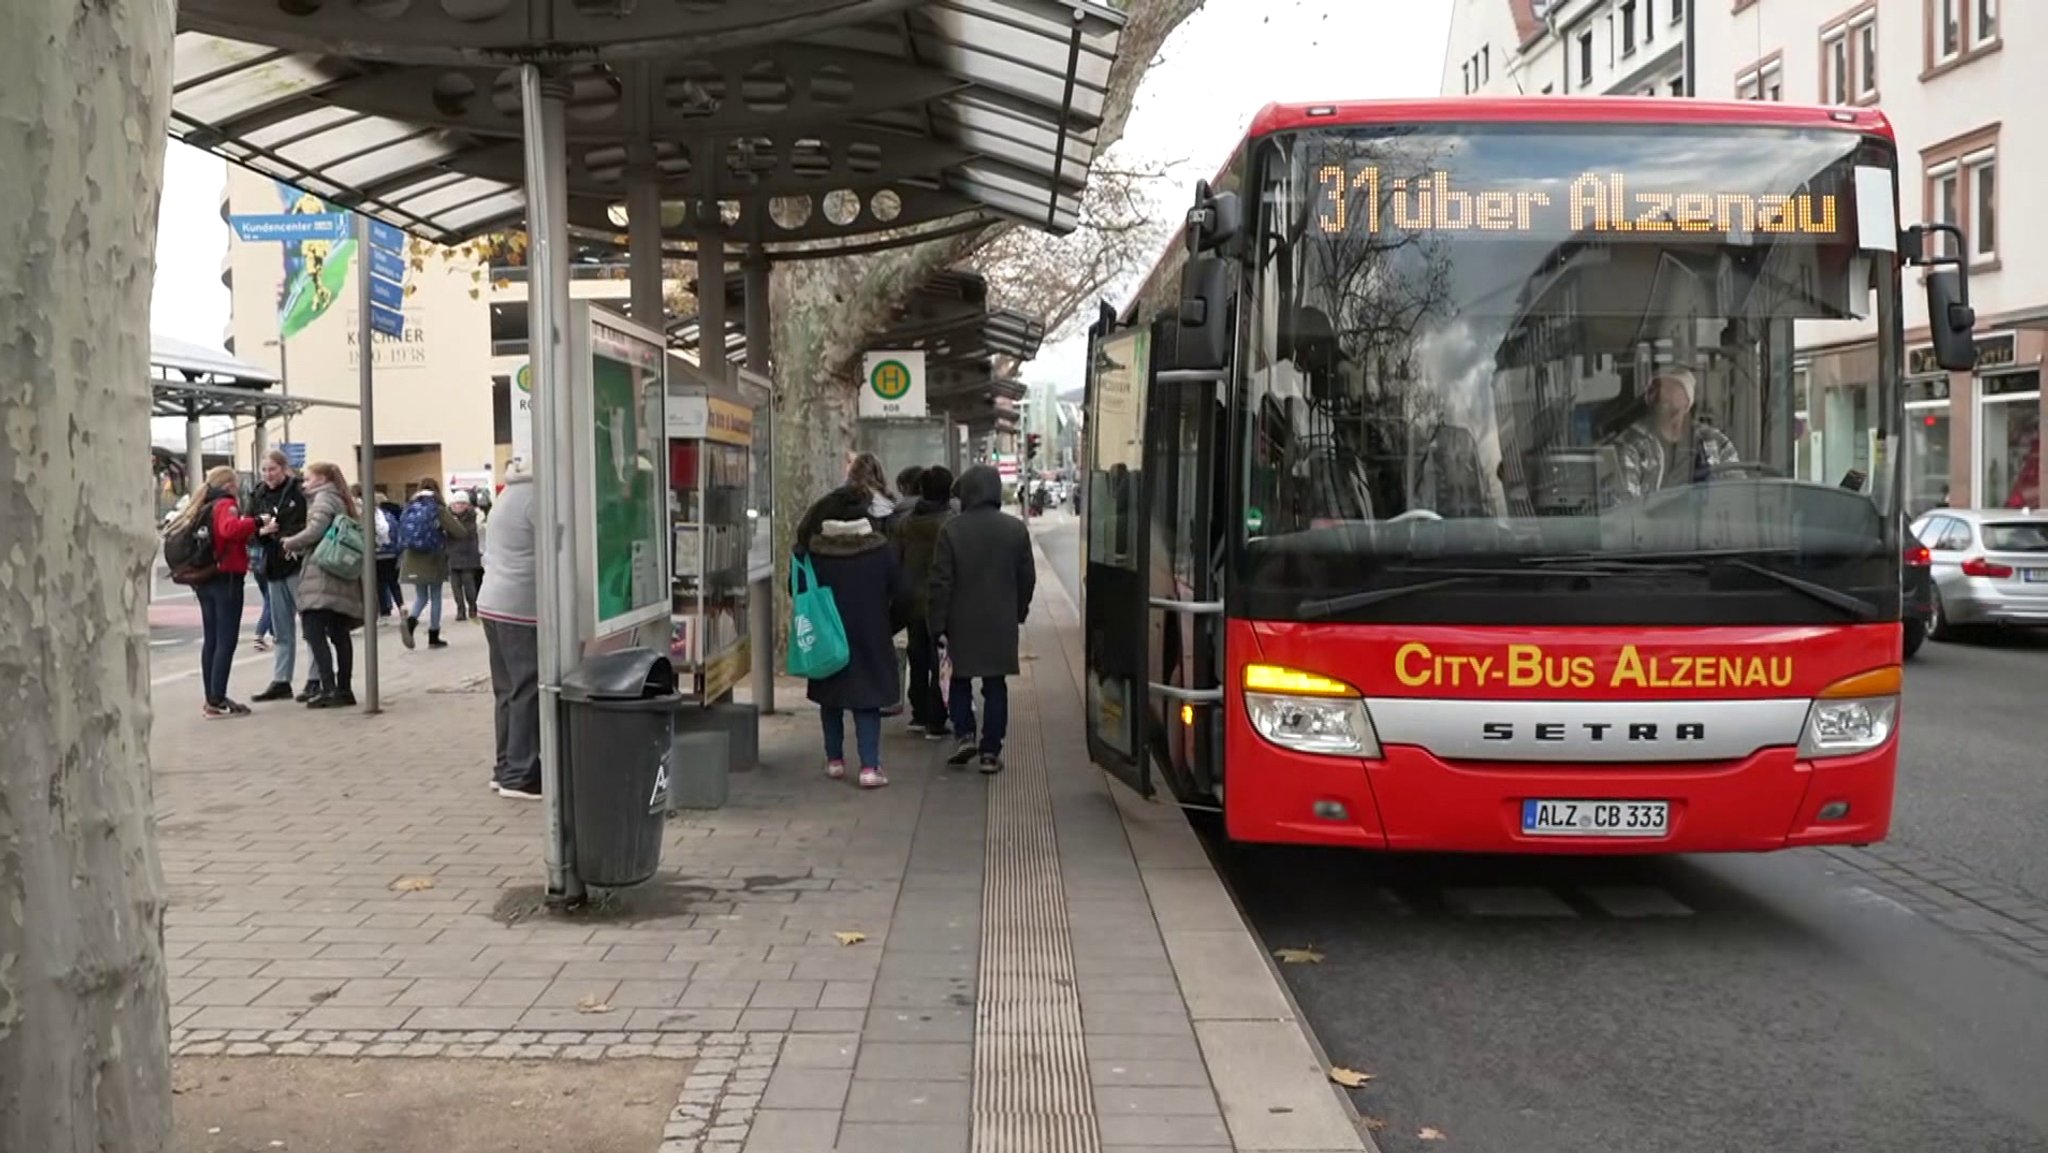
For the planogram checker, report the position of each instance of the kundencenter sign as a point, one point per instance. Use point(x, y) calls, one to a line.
point(892, 385)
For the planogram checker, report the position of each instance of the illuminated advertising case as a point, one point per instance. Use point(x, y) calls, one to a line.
point(621, 526)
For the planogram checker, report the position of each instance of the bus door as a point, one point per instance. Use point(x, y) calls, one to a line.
point(1114, 556)
point(1184, 426)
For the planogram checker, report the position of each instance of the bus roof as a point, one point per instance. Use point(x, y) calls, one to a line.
point(1526, 110)
point(1568, 109)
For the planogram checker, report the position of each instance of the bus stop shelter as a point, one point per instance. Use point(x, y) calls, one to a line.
point(776, 129)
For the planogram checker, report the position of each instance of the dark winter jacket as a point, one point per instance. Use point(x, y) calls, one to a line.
point(860, 568)
point(391, 510)
point(917, 542)
point(982, 580)
point(287, 502)
point(466, 551)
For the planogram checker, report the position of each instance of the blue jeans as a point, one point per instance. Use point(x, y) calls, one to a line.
point(284, 618)
point(867, 734)
point(220, 624)
point(995, 708)
point(424, 594)
point(263, 598)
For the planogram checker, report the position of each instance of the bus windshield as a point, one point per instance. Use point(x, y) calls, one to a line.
point(1488, 367)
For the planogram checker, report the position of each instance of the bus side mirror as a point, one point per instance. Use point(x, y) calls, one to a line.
point(1951, 321)
point(1202, 340)
point(1214, 221)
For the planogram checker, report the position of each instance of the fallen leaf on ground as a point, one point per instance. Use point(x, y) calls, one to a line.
point(1374, 1124)
point(1298, 956)
point(1429, 1133)
point(1349, 1078)
point(412, 884)
point(850, 937)
point(322, 996)
point(590, 1004)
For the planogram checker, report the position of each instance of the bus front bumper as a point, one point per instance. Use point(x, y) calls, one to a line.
point(1410, 799)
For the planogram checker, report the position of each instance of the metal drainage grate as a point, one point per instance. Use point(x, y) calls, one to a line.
point(1031, 1091)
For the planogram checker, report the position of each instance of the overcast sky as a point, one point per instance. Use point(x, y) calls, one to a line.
point(1220, 67)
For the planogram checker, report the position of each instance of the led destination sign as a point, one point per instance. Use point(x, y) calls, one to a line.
point(1360, 197)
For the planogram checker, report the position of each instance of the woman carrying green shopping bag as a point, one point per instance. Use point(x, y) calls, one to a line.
point(843, 581)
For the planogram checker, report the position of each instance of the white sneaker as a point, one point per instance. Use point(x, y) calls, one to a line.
point(836, 770)
point(872, 779)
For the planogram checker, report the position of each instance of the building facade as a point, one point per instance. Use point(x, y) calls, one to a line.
point(1568, 47)
point(1958, 103)
point(1952, 76)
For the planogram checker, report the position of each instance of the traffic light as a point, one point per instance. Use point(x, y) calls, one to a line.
point(1031, 446)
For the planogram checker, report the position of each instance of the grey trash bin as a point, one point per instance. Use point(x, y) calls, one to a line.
point(619, 715)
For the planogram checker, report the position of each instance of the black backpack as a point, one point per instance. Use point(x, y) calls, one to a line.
point(188, 549)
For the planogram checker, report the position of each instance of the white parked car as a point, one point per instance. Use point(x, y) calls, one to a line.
point(1990, 567)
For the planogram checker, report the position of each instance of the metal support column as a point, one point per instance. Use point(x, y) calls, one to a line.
point(760, 598)
point(711, 291)
point(195, 452)
point(542, 102)
point(643, 203)
point(366, 469)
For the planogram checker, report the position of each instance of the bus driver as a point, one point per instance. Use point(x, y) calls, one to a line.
point(1668, 446)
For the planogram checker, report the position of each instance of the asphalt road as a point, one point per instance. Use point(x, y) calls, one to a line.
point(1870, 1000)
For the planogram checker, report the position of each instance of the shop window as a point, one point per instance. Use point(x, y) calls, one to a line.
point(1927, 458)
point(2009, 441)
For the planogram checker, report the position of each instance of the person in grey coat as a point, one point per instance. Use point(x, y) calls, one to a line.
point(466, 555)
point(981, 584)
point(330, 606)
point(509, 606)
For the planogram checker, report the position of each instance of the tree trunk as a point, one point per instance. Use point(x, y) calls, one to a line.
point(825, 312)
point(84, 1032)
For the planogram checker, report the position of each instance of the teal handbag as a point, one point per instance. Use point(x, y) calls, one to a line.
point(817, 637)
point(340, 552)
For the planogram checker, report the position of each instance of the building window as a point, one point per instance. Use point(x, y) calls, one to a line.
point(1848, 59)
point(1678, 86)
point(1649, 21)
point(1628, 27)
point(1983, 176)
point(1962, 190)
point(1467, 67)
point(1677, 10)
point(1764, 80)
point(1486, 63)
point(1959, 31)
point(1586, 57)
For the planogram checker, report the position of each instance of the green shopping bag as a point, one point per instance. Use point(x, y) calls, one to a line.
point(340, 551)
point(817, 637)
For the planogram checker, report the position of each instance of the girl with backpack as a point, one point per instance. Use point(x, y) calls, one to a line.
point(206, 547)
point(424, 530)
point(330, 601)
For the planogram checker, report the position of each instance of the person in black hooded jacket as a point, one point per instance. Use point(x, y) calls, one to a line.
point(982, 580)
point(860, 568)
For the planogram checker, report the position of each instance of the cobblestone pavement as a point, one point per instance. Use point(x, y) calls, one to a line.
point(347, 886)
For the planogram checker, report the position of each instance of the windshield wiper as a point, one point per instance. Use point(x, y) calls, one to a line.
point(1856, 607)
point(1444, 577)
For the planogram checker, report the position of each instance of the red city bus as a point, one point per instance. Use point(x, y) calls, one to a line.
point(1445, 490)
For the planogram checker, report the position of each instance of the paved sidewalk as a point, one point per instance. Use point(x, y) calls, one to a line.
point(1035, 961)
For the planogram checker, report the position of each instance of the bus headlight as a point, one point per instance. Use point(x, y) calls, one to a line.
point(1334, 728)
point(1308, 713)
point(1853, 715)
point(1838, 728)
